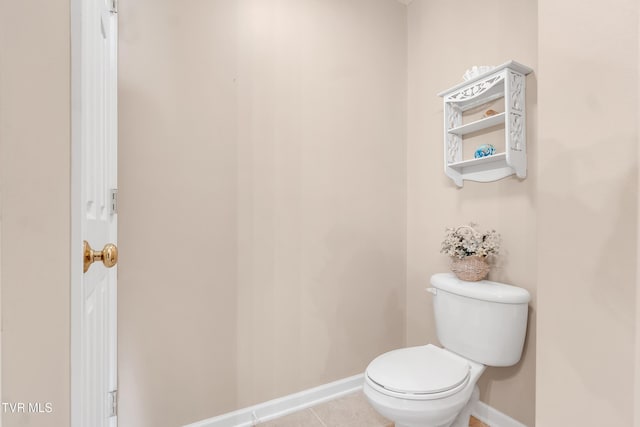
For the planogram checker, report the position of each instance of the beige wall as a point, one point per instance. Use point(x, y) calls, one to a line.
point(35, 174)
point(443, 43)
point(636, 398)
point(262, 148)
point(321, 177)
point(587, 212)
point(177, 210)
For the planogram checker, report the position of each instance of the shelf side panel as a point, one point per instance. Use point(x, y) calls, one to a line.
point(452, 142)
point(515, 123)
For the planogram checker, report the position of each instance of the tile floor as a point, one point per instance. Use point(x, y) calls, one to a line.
point(349, 411)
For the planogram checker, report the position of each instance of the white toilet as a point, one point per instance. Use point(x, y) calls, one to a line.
point(479, 324)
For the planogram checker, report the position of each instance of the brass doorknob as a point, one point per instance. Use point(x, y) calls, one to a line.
point(108, 255)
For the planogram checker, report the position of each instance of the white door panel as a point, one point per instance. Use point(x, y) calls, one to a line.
point(94, 327)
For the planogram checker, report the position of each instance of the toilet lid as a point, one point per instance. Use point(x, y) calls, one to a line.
point(418, 370)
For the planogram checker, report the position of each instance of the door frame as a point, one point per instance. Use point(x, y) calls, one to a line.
point(76, 252)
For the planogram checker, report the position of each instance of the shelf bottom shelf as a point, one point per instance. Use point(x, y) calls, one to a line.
point(484, 169)
point(489, 160)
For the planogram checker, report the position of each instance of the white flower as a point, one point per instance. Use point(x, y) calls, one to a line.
point(466, 241)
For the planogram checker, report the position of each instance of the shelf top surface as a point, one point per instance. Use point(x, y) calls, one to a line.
point(484, 123)
point(498, 157)
point(516, 66)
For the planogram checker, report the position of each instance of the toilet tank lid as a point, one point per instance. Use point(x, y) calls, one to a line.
point(484, 290)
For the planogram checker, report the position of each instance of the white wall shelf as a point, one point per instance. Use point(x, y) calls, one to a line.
point(481, 124)
point(487, 162)
point(506, 81)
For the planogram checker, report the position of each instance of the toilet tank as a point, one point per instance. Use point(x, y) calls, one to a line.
point(483, 321)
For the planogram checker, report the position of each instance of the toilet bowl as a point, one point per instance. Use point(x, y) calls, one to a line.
point(422, 386)
point(479, 324)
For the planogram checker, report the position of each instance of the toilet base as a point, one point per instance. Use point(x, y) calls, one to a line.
point(462, 420)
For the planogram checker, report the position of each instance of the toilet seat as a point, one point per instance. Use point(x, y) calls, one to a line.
point(418, 373)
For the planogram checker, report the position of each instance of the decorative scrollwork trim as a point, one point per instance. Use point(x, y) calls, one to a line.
point(453, 147)
point(516, 84)
point(475, 90)
point(516, 132)
point(454, 117)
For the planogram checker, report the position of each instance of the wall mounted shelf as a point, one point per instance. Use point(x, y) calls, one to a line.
point(482, 161)
point(507, 81)
point(481, 124)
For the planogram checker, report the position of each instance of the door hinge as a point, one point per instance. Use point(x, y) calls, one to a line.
point(113, 403)
point(113, 201)
point(113, 6)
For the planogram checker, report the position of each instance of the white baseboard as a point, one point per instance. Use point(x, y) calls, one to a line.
point(263, 412)
point(493, 417)
point(276, 408)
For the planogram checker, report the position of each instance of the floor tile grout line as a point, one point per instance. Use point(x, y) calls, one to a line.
point(318, 417)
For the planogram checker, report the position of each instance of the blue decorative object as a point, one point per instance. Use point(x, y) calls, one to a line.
point(484, 150)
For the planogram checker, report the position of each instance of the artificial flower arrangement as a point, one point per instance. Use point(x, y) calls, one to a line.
point(469, 249)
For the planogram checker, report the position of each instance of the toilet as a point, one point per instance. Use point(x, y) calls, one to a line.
point(479, 324)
